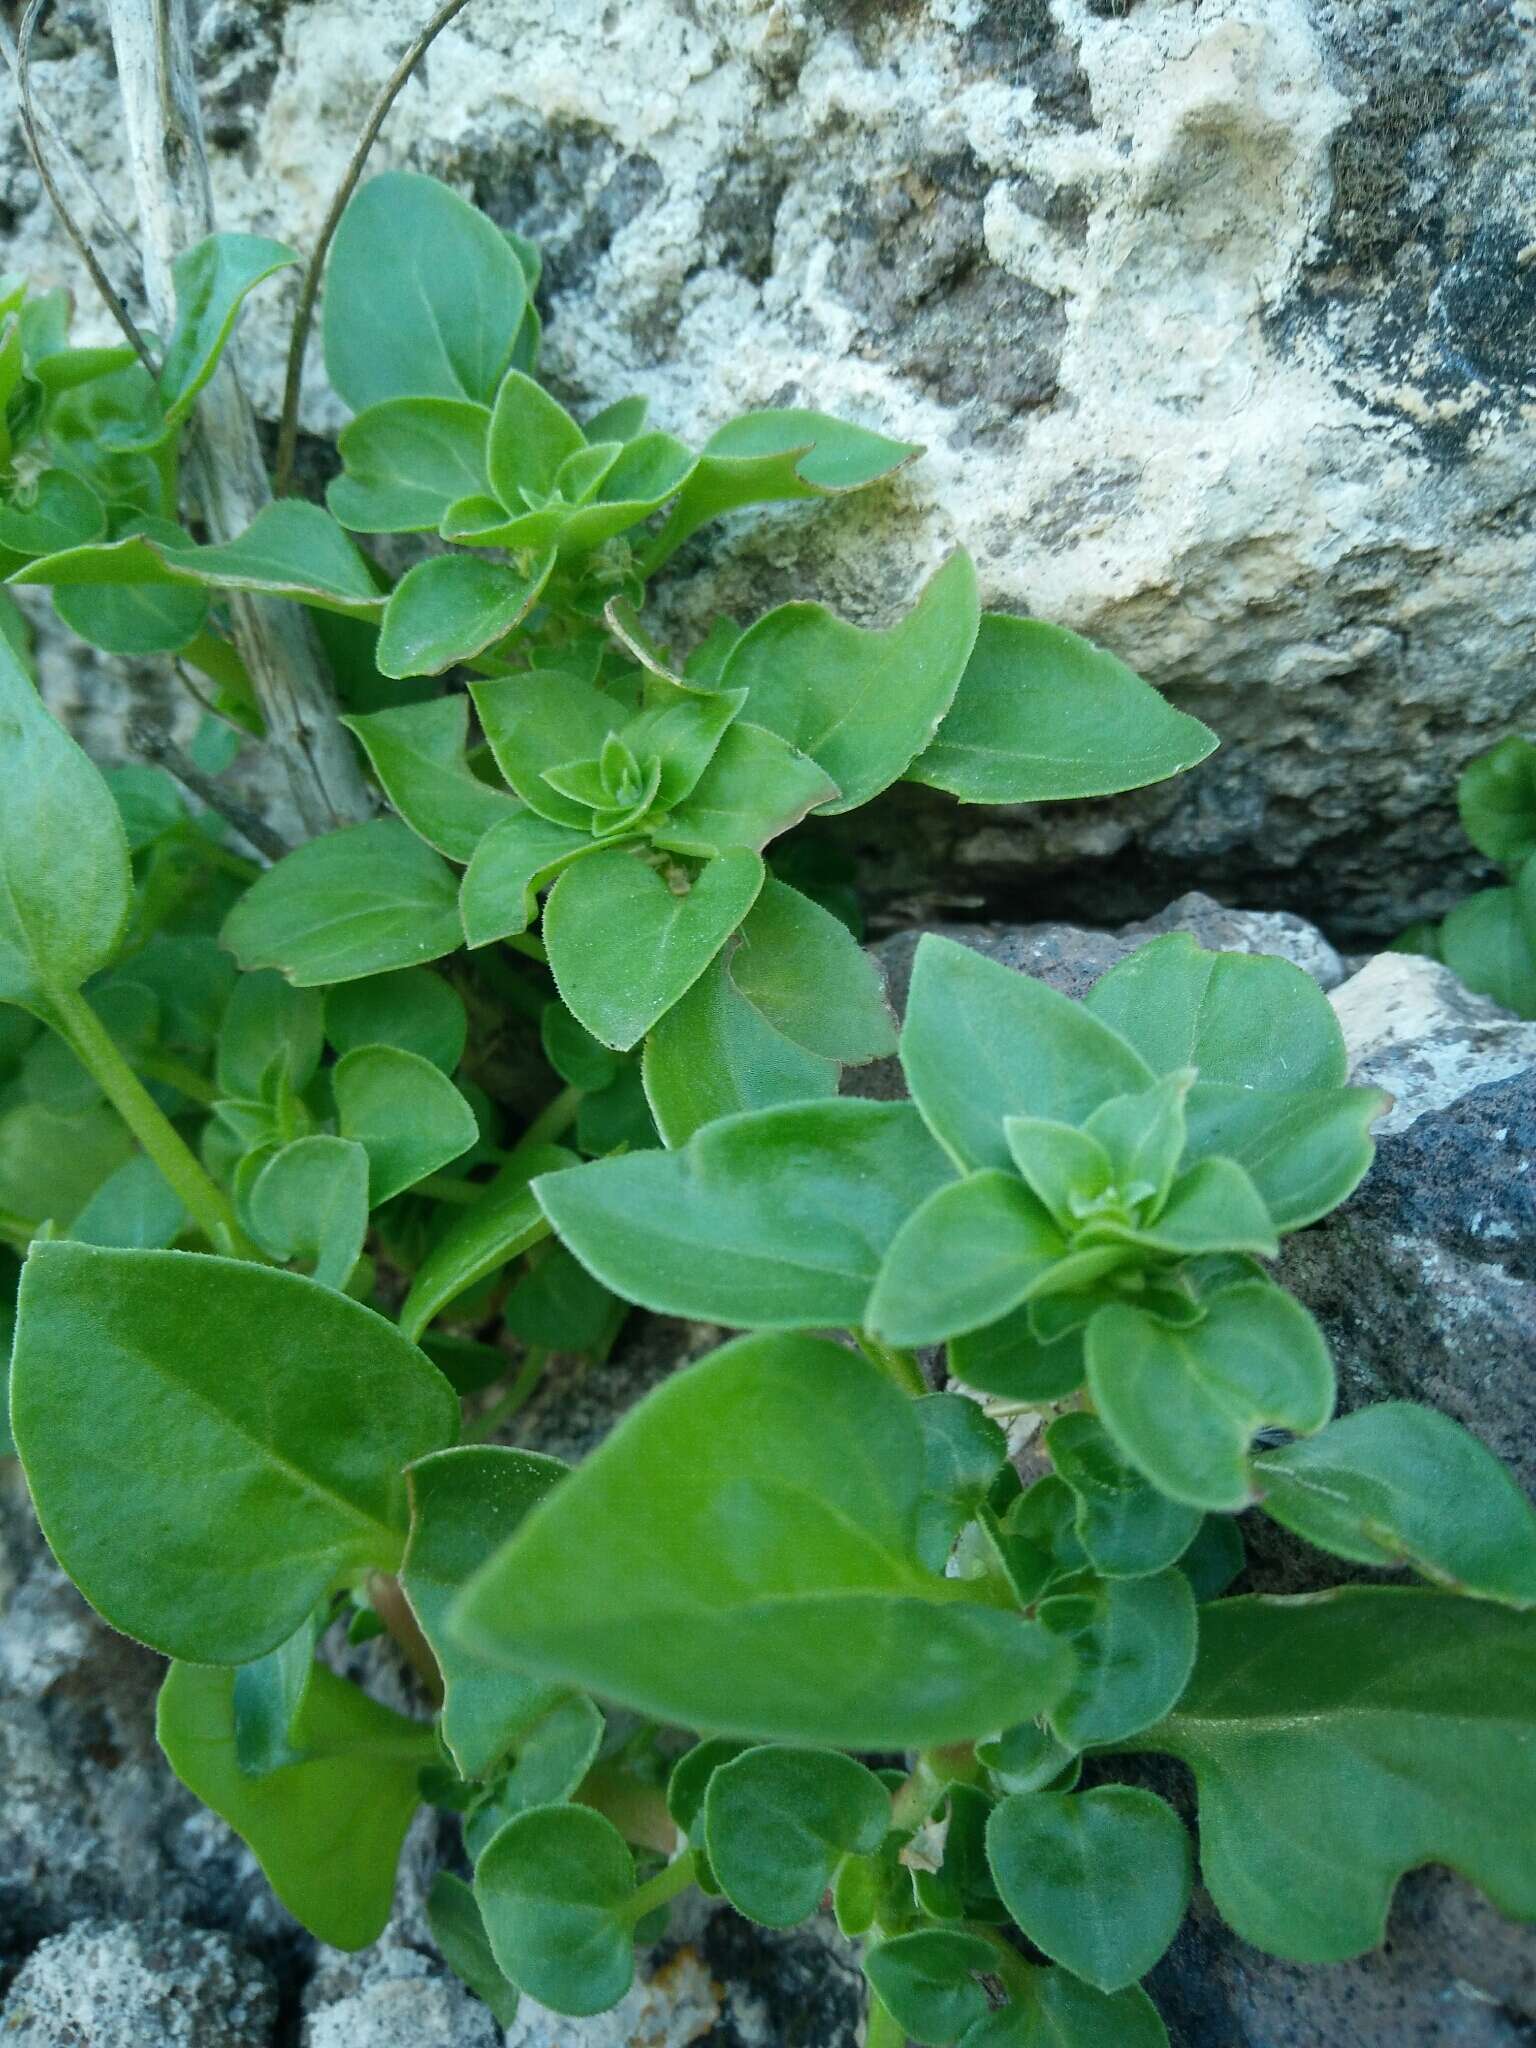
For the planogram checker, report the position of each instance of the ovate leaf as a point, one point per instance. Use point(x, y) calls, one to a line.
point(1304, 1149)
point(454, 1918)
point(765, 1504)
point(969, 1254)
point(406, 461)
point(211, 279)
point(450, 608)
point(310, 1201)
point(1405, 1718)
point(803, 970)
point(413, 1008)
point(404, 1112)
point(1497, 800)
point(518, 857)
point(1134, 1640)
point(779, 1820)
point(927, 1981)
point(504, 1220)
point(1487, 944)
point(1127, 1528)
point(417, 752)
point(261, 1425)
point(553, 1888)
point(1054, 2009)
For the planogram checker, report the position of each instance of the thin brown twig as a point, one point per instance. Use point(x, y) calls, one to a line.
point(148, 737)
point(66, 219)
point(304, 312)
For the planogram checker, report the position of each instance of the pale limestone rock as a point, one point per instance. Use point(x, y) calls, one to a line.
point(1412, 1028)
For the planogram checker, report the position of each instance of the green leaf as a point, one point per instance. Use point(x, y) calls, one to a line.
point(134, 1208)
point(778, 1821)
point(271, 1414)
point(803, 970)
point(1025, 1759)
point(326, 1833)
point(465, 1502)
point(755, 787)
point(1404, 1717)
point(553, 1889)
point(267, 1026)
point(775, 1219)
point(962, 1888)
point(860, 703)
point(1126, 1527)
point(1485, 942)
point(269, 1696)
point(1399, 1484)
point(531, 435)
point(59, 512)
point(212, 279)
point(1214, 1207)
point(535, 721)
point(982, 1042)
point(113, 604)
point(1135, 1644)
point(1185, 1404)
point(1053, 2009)
point(766, 1506)
point(404, 1112)
point(454, 1918)
point(52, 1163)
point(65, 882)
point(357, 902)
point(406, 461)
point(498, 898)
point(782, 453)
point(552, 1759)
point(715, 1054)
point(505, 1220)
point(963, 1451)
point(560, 1307)
point(624, 944)
point(1497, 800)
point(1042, 714)
point(925, 1981)
point(423, 296)
point(1098, 1880)
point(1303, 1149)
point(413, 1008)
point(1007, 1358)
point(574, 1053)
point(451, 608)
point(417, 752)
point(1244, 1017)
point(310, 1201)
point(974, 1250)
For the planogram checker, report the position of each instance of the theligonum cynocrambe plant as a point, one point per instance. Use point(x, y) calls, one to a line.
point(310, 1226)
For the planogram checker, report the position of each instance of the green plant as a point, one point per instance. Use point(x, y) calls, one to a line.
point(249, 1201)
point(1489, 941)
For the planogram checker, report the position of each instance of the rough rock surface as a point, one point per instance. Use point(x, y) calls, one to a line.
point(140, 1984)
point(1216, 317)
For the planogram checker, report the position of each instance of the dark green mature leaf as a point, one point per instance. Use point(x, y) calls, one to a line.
point(925, 1981)
point(127, 620)
point(212, 279)
point(465, 1503)
point(1405, 1717)
point(1304, 1149)
point(1054, 2009)
point(404, 1112)
point(505, 1220)
point(1185, 1404)
point(51, 1165)
point(1098, 1880)
point(624, 943)
point(560, 1307)
point(454, 1918)
point(981, 1043)
point(778, 454)
point(310, 1201)
point(269, 1696)
point(58, 512)
point(778, 1821)
point(1007, 1358)
point(862, 704)
point(715, 1054)
point(773, 1220)
point(552, 1758)
point(973, 1251)
point(807, 975)
point(451, 608)
point(498, 897)
point(135, 1208)
point(1497, 800)
point(553, 1889)
point(423, 296)
point(1400, 1484)
point(260, 1424)
point(1126, 1527)
point(406, 461)
point(412, 1008)
point(766, 1505)
point(361, 901)
point(417, 752)
point(963, 1451)
point(1135, 1646)
point(65, 882)
point(1243, 1017)
point(327, 1833)
point(1487, 942)
point(290, 549)
point(1043, 714)
point(269, 1026)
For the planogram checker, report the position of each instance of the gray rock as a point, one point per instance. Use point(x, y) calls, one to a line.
point(1413, 1029)
point(140, 1984)
point(392, 1997)
point(1215, 317)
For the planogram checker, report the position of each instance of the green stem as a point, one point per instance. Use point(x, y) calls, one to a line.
point(881, 2028)
point(554, 1119)
point(662, 1888)
point(155, 1066)
point(84, 1031)
point(900, 1367)
point(521, 1391)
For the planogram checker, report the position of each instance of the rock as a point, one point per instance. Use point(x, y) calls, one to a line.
point(1415, 1030)
point(392, 1997)
point(1216, 318)
point(140, 1984)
